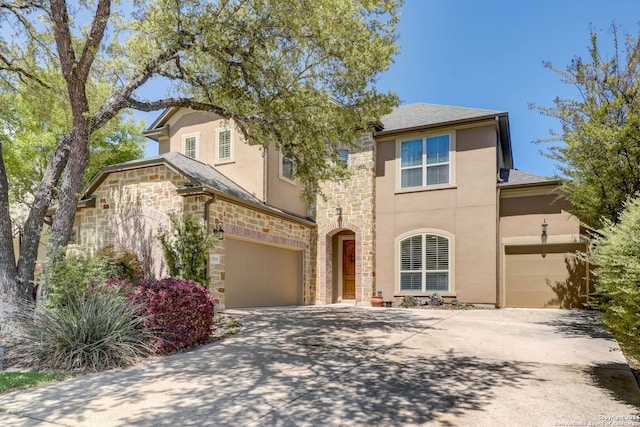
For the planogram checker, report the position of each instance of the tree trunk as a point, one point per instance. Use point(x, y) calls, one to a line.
point(9, 297)
point(33, 226)
point(71, 186)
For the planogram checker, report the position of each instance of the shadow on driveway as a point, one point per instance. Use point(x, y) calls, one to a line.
point(297, 367)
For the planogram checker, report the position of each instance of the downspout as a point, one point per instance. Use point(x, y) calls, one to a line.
point(265, 176)
point(499, 257)
point(498, 231)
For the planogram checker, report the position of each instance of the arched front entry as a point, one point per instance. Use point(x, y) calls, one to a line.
point(340, 264)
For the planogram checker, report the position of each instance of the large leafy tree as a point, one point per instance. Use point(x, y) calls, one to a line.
point(616, 253)
point(599, 153)
point(36, 121)
point(298, 73)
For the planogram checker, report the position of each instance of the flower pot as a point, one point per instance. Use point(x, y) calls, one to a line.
point(377, 301)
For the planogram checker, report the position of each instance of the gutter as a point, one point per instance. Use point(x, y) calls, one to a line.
point(187, 191)
point(435, 125)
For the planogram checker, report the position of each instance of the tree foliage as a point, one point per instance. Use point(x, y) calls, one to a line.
point(298, 73)
point(39, 118)
point(599, 157)
point(186, 248)
point(616, 252)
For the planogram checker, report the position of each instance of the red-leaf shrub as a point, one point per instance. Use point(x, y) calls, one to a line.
point(179, 312)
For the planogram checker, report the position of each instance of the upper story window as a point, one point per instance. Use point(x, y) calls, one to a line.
point(425, 161)
point(191, 146)
point(286, 168)
point(424, 264)
point(343, 155)
point(224, 151)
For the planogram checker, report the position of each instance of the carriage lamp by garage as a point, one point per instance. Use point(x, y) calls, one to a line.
point(339, 211)
point(218, 231)
point(543, 237)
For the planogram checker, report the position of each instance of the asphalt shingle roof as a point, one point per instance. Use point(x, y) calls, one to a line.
point(200, 174)
point(515, 177)
point(423, 115)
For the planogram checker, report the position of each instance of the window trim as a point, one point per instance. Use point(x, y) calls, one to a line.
point(197, 144)
point(280, 169)
point(423, 137)
point(398, 254)
point(231, 157)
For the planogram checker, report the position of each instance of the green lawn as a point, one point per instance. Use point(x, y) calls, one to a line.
point(13, 380)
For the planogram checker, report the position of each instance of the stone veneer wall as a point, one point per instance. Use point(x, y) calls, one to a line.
point(249, 224)
point(131, 206)
point(127, 194)
point(356, 196)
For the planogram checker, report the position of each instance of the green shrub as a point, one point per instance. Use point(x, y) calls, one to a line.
point(97, 329)
point(121, 263)
point(73, 274)
point(179, 312)
point(409, 302)
point(616, 254)
point(186, 248)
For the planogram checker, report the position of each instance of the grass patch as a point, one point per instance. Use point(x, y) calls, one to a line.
point(13, 380)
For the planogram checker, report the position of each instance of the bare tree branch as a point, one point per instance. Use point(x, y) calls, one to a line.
point(98, 26)
point(9, 66)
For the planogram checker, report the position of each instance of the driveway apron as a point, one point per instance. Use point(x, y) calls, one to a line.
point(345, 365)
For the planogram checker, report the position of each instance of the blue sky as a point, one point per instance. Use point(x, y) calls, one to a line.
point(489, 54)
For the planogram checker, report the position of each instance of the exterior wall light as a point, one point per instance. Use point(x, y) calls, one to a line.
point(339, 211)
point(218, 231)
point(544, 237)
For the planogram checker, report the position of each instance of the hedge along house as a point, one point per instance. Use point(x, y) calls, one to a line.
point(433, 205)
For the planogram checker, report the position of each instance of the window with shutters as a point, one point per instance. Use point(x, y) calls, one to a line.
point(286, 170)
point(424, 264)
point(224, 151)
point(425, 162)
point(190, 144)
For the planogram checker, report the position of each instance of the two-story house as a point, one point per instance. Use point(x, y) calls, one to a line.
point(433, 205)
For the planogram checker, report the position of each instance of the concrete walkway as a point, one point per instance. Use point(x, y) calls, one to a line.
point(337, 365)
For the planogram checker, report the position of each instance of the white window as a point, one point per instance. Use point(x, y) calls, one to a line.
point(286, 168)
point(424, 264)
point(191, 146)
point(224, 151)
point(425, 161)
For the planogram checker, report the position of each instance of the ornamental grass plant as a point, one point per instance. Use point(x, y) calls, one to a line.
point(94, 330)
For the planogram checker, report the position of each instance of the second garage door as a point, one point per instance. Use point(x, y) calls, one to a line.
point(557, 279)
point(260, 275)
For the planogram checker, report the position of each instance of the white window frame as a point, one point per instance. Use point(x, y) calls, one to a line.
point(281, 158)
point(451, 262)
point(196, 137)
point(424, 165)
point(231, 146)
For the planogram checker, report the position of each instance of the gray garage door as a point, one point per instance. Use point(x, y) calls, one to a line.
point(556, 279)
point(259, 275)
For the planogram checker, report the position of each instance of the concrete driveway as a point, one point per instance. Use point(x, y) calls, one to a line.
point(337, 365)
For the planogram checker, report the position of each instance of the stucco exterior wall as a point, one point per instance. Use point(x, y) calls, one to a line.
point(282, 192)
point(536, 269)
point(465, 211)
point(523, 211)
point(246, 167)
